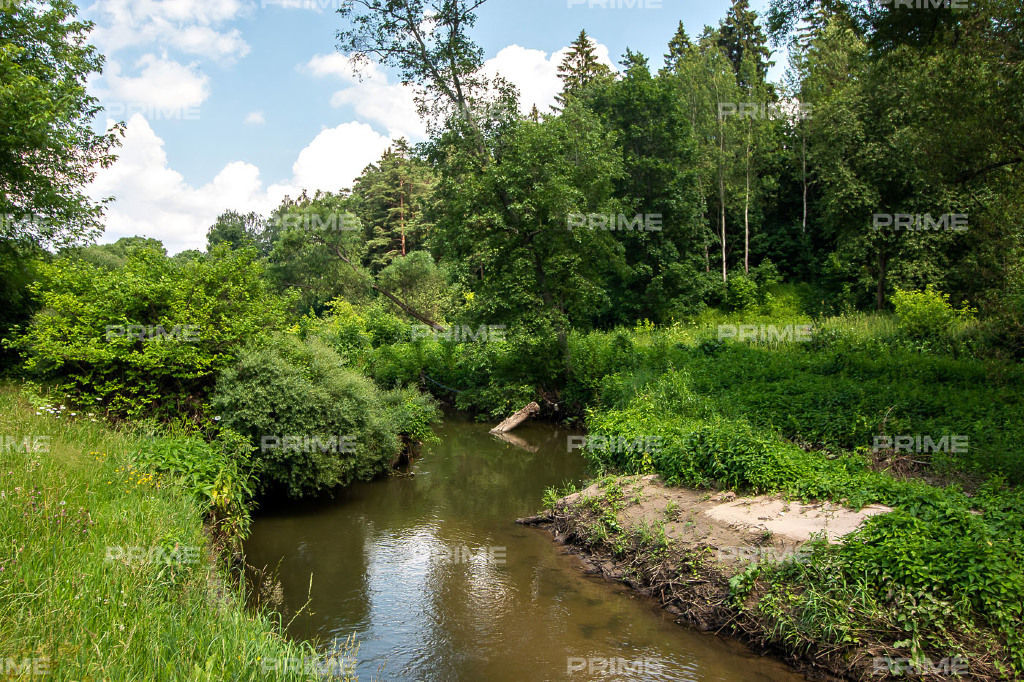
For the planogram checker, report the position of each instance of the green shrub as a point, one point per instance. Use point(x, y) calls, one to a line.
point(742, 293)
point(318, 424)
point(219, 474)
point(192, 318)
point(928, 314)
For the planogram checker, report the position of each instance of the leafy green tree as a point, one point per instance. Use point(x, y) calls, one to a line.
point(237, 231)
point(507, 222)
point(580, 68)
point(653, 131)
point(429, 45)
point(745, 44)
point(390, 199)
point(48, 150)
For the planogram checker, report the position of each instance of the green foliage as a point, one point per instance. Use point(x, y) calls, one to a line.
point(192, 318)
point(927, 315)
point(219, 474)
point(49, 151)
point(330, 425)
point(89, 498)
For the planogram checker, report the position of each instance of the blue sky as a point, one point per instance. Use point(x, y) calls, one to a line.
point(233, 104)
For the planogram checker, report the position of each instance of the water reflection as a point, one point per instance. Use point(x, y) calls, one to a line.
point(436, 582)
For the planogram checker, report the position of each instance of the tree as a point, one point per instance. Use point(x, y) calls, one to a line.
point(653, 134)
point(390, 200)
point(237, 231)
point(48, 150)
point(580, 68)
point(678, 48)
point(745, 44)
point(428, 43)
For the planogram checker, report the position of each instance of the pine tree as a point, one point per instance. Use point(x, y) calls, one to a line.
point(745, 44)
point(677, 49)
point(580, 68)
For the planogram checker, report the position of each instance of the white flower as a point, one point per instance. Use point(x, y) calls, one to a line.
point(216, 419)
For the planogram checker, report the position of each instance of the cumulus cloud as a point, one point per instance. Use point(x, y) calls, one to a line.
point(192, 26)
point(534, 73)
point(161, 82)
point(392, 106)
point(154, 200)
point(255, 118)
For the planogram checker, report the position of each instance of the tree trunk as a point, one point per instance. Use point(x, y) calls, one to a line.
point(516, 419)
point(803, 139)
point(880, 291)
point(746, 212)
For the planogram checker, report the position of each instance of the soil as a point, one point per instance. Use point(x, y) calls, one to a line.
point(714, 536)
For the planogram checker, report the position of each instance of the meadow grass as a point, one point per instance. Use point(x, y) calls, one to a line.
point(107, 571)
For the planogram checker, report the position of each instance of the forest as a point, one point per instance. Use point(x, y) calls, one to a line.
point(810, 287)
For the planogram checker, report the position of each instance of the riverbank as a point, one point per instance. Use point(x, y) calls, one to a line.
point(727, 564)
point(110, 570)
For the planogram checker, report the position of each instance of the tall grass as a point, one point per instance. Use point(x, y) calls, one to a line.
point(106, 571)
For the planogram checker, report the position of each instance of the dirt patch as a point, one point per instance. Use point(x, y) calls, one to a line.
point(734, 529)
point(682, 546)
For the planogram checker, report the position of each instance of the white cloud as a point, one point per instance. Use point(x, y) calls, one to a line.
point(154, 200)
point(318, 6)
point(187, 25)
point(161, 83)
point(336, 157)
point(344, 67)
point(389, 105)
point(534, 73)
point(255, 118)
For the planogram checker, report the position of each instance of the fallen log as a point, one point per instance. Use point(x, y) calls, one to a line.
point(515, 441)
point(517, 419)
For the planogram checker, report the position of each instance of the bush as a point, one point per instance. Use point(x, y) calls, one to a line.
point(219, 474)
point(318, 424)
point(928, 314)
point(193, 317)
point(741, 293)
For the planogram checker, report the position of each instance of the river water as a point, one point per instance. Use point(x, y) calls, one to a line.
point(432, 578)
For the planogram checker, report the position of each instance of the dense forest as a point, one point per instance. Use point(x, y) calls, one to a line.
point(635, 260)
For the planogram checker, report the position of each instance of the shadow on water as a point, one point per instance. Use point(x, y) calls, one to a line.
point(436, 582)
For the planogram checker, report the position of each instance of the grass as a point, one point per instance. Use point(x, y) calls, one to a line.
point(940, 578)
point(106, 569)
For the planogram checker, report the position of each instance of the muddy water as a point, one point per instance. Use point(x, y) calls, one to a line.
point(436, 582)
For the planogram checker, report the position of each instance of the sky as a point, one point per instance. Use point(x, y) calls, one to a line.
point(235, 104)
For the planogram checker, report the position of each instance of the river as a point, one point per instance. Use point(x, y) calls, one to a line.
point(429, 574)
